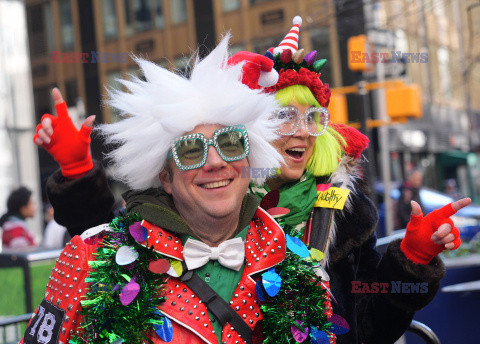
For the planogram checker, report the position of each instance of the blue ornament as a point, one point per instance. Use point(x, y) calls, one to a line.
point(262, 296)
point(269, 55)
point(339, 324)
point(297, 246)
point(318, 337)
point(165, 331)
point(271, 282)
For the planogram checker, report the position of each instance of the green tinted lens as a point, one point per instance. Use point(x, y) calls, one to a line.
point(232, 144)
point(190, 152)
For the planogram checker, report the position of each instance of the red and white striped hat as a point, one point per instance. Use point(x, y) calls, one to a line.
point(291, 39)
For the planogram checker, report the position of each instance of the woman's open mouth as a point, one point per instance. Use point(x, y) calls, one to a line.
point(295, 153)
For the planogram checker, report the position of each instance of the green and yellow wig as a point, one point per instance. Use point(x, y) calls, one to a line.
point(327, 150)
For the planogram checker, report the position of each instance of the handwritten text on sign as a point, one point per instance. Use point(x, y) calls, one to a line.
point(332, 198)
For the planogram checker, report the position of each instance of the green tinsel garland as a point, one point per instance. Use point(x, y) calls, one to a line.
point(278, 64)
point(300, 299)
point(106, 320)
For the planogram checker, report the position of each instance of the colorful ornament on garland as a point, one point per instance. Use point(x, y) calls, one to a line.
point(318, 337)
point(299, 332)
point(316, 255)
point(160, 266)
point(138, 232)
point(318, 65)
point(165, 330)
point(339, 324)
point(310, 57)
point(129, 292)
point(297, 246)
point(269, 203)
point(298, 56)
point(126, 255)
point(271, 282)
point(176, 269)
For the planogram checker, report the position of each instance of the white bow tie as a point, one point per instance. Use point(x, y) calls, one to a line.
point(229, 253)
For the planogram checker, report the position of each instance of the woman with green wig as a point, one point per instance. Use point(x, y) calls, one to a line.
point(319, 197)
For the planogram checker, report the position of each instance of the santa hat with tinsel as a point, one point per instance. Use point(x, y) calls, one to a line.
point(294, 67)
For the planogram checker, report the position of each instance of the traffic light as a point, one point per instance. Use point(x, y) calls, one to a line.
point(338, 108)
point(404, 102)
point(358, 54)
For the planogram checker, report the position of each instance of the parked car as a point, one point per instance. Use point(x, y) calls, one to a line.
point(467, 219)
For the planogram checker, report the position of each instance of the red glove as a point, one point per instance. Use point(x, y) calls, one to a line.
point(417, 244)
point(69, 146)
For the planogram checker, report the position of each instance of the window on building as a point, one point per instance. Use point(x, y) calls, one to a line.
point(182, 64)
point(143, 15)
point(47, 14)
point(40, 29)
point(128, 18)
point(230, 5)
point(133, 71)
point(321, 43)
point(236, 48)
point(443, 56)
point(439, 7)
point(261, 46)
point(163, 62)
point(66, 25)
point(256, 2)
point(109, 16)
point(113, 83)
point(71, 92)
point(159, 20)
point(178, 11)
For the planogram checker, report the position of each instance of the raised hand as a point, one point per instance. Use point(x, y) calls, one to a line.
point(69, 146)
point(427, 236)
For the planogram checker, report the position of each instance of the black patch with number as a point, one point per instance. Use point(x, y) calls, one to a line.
point(45, 325)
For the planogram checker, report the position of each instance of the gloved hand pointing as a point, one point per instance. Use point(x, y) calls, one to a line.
point(69, 146)
point(427, 236)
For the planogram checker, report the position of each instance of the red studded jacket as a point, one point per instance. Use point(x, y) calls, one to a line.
point(58, 316)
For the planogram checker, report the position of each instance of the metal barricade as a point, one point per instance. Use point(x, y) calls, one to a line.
point(11, 330)
point(424, 332)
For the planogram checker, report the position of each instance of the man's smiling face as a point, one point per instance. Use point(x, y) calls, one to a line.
point(216, 189)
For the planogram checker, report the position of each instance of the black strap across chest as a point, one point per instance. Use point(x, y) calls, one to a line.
point(218, 306)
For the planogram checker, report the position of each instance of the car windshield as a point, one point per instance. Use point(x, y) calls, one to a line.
point(434, 198)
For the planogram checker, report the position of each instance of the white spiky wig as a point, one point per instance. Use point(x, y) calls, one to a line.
point(167, 105)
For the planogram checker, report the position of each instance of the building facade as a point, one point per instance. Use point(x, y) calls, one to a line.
point(18, 156)
point(82, 46)
point(439, 42)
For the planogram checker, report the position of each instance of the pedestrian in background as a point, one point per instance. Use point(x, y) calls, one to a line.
point(55, 235)
point(409, 191)
point(20, 206)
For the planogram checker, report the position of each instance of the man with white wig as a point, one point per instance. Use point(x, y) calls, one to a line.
point(183, 266)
